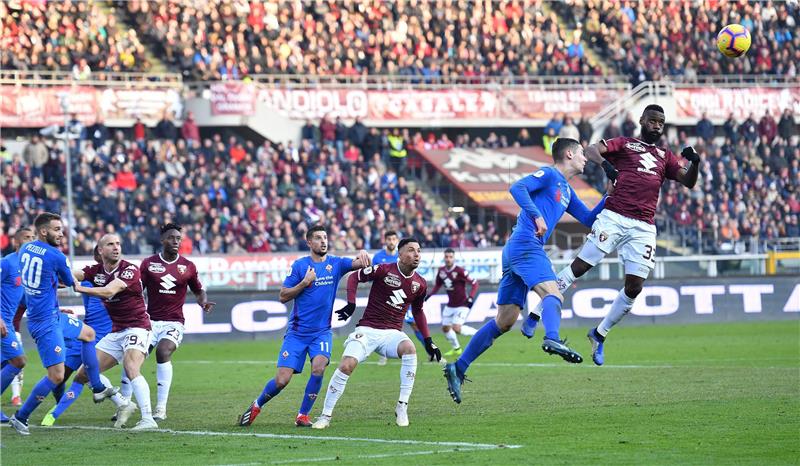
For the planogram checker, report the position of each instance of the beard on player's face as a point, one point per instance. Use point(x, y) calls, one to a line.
point(650, 136)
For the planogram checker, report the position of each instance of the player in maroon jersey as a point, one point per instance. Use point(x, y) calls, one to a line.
point(167, 276)
point(119, 284)
point(627, 223)
point(454, 279)
point(394, 287)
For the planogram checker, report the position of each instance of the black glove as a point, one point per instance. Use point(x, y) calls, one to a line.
point(433, 350)
point(470, 302)
point(428, 297)
point(611, 172)
point(345, 312)
point(690, 154)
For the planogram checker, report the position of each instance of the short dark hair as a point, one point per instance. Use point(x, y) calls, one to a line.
point(561, 146)
point(44, 219)
point(449, 250)
point(389, 233)
point(405, 241)
point(170, 226)
point(654, 107)
point(22, 230)
point(314, 229)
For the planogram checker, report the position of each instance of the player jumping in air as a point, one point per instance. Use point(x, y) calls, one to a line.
point(312, 284)
point(544, 197)
point(627, 224)
point(119, 283)
point(42, 266)
point(454, 279)
point(10, 295)
point(167, 276)
point(394, 287)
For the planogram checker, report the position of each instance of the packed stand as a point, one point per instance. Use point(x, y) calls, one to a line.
point(652, 39)
point(417, 39)
point(748, 187)
point(73, 36)
point(232, 195)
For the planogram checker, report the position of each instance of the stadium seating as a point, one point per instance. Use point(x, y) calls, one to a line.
point(78, 37)
point(652, 39)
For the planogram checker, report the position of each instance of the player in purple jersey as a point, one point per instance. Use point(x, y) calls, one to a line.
point(395, 286)
point(454, 279)
point(627, 223)
point(167, 276)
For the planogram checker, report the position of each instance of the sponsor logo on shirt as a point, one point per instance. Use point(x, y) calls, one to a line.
point(392, 280)
point(100, 280)
point(398, 299)
point(635, 147)
point(167, 284)
point(648, 162)
point(155, 267)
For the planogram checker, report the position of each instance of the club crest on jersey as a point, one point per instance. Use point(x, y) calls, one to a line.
point(414, 287)
point(14, 344)
point(100, 280)
point(635, 147)
point(181, 269)
point(392, 280)
point(329, 268)
point(156, 267)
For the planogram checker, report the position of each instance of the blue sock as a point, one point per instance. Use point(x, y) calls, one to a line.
point(58, 392)
point(7, 376)
point(479, 343)
point(270, 390)
point(420, 337)
point(38, 394)
point(69, 397)
point(312, 389)
point(551, 316)
point(89, 359)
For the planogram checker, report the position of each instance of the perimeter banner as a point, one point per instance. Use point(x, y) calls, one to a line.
point(247, 315)
point(475, 104)
point(719, 103)
point(26, 107)
point(485, 175)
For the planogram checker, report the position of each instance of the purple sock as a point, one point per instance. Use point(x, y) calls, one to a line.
point(310, 396)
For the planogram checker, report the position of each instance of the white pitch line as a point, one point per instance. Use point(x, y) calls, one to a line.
point(381, 455)
point(205, 433)
point(479, 364)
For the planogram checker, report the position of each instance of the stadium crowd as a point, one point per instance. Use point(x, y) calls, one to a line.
point(78, 37)
point(418, 39)
point(654, 39)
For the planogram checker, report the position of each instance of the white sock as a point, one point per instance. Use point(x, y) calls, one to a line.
point(118, 399)
point(125, 387)
point(619, 308)
point(164, 380)
point(408, 372)
point(468, 331)
point(335, 389)
point(16, 385)
point(452, 338)
point(141, 390)
point(564, 280)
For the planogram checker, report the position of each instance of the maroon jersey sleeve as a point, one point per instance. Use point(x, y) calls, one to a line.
point(673, 166)
point(614, 146)
point(194, 279)
point(417, 310)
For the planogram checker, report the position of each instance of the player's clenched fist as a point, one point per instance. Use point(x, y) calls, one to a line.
point(690, 154)
point(432, 350)
point(541, 227)
point(347, 311)
point(311, 276)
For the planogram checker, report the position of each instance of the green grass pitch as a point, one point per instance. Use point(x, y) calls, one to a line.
point(695, 394)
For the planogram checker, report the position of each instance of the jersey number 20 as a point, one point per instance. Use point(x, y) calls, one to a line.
point(31, 271)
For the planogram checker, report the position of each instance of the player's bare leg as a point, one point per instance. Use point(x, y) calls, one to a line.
point(336, 387)
point(408, 372)
point(318, 365)
point(164, 351)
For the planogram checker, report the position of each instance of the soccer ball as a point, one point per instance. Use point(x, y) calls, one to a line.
point(733, 40)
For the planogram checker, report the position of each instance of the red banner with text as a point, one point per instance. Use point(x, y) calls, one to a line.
point(719, 103)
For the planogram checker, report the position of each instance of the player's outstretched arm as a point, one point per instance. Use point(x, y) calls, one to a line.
point(594, 152)
point(578, 209)
point(104, 292)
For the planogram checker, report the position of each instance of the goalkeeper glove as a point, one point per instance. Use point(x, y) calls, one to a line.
point(347, 311)
point(690, 154)
point(432, 350)
point(470, 302)
point(611, 172)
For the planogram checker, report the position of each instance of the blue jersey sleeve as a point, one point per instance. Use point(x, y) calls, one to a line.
point(521, 191)
point(295, 276)
point(578, 209)
point(5, 269)
point(63, 270)
point(343, 266)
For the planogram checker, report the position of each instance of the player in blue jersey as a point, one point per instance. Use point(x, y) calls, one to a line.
point(42, 266)
point(312, 284)
point(544, 197)
point(10, 295)
point(97, 317)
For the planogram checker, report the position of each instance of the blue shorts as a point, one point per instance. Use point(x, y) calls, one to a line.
point(51, 336)
point(523, 268)
point(295, 348)
point(11, 345)
point(74, 358)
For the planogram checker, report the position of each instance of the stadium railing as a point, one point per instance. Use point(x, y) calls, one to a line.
point(99, 78)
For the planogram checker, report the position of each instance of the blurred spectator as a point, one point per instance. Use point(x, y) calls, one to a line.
point(569, 130)
point(705, 129)
point(189, 130)
point(165, 128)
